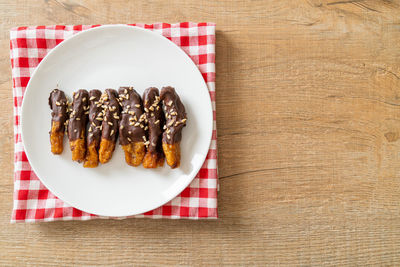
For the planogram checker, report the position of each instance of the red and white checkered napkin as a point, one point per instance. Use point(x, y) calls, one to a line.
point(32, 201)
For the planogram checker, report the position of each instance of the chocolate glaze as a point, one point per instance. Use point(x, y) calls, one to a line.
point(155, 118)
point(175, 115)
point(79, 115)
point(59, 107)
point(111, 112)
point(132, 124)
point(95, 111)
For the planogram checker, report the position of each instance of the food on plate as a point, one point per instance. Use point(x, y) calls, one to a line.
point(155, 121)
point(149, 131)
point(59, 118)
point(132, 128)
point(175, 116)
point(94, 129)
point(77, 125)
point(109, 127)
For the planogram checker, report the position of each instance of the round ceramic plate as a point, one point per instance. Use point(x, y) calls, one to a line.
point(109, 57)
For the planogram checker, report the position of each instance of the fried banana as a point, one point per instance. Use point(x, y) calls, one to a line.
point(77, 125)
point(109, 127)
point(155, 121)
point(59, 118)
point(175, 116)
point(132, 128)
point(94, 129)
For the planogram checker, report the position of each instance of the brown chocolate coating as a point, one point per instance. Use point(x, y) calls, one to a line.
point(79, 115)
point(132, 123)
point(111, 114)
point(155, 118)
point(95, 118)
point(175, 115)
point(59, 107)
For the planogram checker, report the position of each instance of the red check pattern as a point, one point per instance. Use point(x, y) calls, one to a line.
point(32, 201)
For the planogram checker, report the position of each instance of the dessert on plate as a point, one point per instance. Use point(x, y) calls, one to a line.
point(175, 116)
point(59, 118)
point(155, 121)
point(132, 128)
point(77, 125)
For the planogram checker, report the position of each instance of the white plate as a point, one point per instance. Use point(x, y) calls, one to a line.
point(109, 57)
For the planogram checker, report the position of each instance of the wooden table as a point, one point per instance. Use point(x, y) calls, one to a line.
point(308, 114)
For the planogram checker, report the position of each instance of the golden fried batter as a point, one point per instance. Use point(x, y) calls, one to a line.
point(78, 148)
point(56, 138)
point(92, 157)
point(172, 154)
point(106, 150)
point(134, 153)
point(153, 160)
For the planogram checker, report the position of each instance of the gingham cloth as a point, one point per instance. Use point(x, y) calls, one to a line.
point(32, 201)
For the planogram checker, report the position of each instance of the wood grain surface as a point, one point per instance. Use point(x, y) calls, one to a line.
point(308, 115)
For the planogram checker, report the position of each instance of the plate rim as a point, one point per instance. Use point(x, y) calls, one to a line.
point(99, 28)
